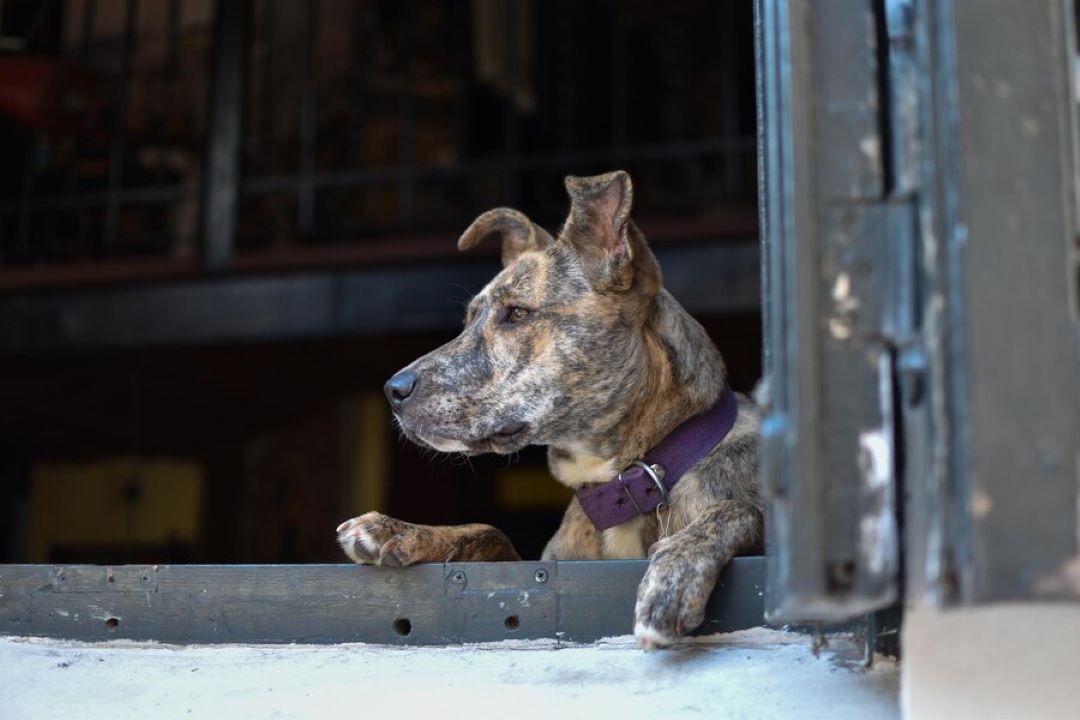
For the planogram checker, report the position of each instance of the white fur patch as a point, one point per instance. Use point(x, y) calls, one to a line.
point(582, 467)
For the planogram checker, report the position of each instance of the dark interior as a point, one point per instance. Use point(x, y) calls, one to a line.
point(372, 133)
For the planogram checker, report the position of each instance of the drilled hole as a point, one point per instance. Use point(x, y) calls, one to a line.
point(112, 579)
point(620, 502)
point(402, 626)
point(511, 623)
point(112, 623)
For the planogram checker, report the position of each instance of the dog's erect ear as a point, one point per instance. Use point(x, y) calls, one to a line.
point(599, 227)
point(517, 232)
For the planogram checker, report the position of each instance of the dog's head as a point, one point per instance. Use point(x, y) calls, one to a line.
point(553, 344)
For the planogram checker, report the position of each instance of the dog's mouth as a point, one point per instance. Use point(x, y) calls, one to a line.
point(509, 435)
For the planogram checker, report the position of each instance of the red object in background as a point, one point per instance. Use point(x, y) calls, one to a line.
point(46, 94)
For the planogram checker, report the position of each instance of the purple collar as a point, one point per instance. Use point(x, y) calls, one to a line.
point(643, 486)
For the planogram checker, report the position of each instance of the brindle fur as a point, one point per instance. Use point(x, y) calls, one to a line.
point(605, 364)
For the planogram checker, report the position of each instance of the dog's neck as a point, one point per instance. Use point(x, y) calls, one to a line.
point(680, 374)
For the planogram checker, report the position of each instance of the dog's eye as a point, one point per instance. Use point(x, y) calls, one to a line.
point(515, 315)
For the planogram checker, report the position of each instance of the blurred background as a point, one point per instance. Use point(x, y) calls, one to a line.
point(224, 225)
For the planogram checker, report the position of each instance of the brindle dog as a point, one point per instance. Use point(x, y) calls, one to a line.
point(575, 345)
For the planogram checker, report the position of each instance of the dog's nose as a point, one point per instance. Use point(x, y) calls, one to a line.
point(400, 387)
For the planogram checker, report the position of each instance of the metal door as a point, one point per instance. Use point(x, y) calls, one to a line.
point(917, 164)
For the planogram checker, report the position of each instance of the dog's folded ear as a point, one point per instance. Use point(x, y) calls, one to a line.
point(517, 232)
point(612, 249)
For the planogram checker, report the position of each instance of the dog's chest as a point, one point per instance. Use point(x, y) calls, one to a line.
point(625, 541)
point(576, 467)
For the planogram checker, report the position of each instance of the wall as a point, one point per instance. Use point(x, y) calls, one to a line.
point(995, 661)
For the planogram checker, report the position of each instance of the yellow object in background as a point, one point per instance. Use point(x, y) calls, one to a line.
point(368, 436)
point(530, 488)
point(116, 501)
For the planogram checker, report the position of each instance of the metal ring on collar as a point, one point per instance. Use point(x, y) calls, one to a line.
point(652, 473)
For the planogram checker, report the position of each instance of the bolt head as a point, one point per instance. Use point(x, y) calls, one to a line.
point(540, 575)
point(458, 577)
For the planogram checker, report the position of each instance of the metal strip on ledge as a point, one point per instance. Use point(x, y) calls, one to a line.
point(423, 605)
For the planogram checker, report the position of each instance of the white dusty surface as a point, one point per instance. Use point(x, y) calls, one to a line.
point(1019, 660)
point(750, 674)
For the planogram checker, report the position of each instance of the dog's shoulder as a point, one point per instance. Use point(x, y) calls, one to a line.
point(747, 427)
point(730, 470)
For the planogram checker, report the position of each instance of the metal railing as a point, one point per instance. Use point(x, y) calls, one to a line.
point(82, 218)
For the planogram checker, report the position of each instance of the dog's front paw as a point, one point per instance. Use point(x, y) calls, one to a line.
point(375, 539)
point(672, 596)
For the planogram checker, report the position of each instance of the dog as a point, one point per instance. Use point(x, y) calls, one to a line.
point(576, 345)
